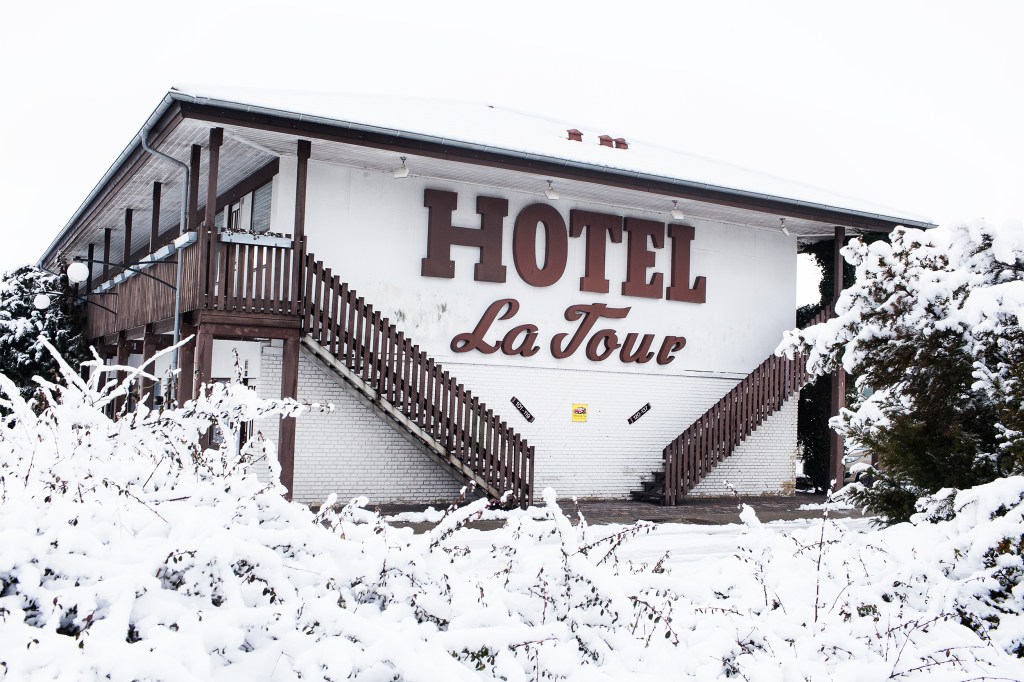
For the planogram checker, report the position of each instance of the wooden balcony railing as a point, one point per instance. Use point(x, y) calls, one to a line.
point(715, 434)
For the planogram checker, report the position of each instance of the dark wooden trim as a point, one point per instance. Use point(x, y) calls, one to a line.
point(204, 356)
point(303, 151)
point(149, 346)
point(441, 149)
point(210, 217)
point(286, 431)
point(267, 320)
point(154, 229)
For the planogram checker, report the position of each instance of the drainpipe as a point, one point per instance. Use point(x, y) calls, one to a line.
point(182, 229)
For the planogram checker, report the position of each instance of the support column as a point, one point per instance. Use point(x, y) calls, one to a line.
point(204, 357)
point(88, 280)
point(106, 254)
point(124, 347)
point(149, 341)
point(836, 448)
point(195, 166)
point(286, 432)
point(154, 232)
point(187, 364)
point(210, 218)
point(299, 230)
point(127, 251)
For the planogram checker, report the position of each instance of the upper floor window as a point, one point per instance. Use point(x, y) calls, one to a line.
point(251, 213)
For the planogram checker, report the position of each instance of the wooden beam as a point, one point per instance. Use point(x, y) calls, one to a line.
point(187, 365)
point(123, 351)
point(836, 449)
point(149, 344)
point(304, 151)
point(286, 432)
point(154, 232)
point(210, 219)
point(88, 280)
point(106, 254)
point(195, 166)
point(204, 356)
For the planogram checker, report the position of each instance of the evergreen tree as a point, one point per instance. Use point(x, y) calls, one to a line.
point(22, 356)
point(931, 325)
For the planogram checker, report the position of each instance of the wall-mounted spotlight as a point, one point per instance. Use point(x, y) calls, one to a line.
point(550, 192)
point(402, 171)
point(782, 226)
point(677, 214)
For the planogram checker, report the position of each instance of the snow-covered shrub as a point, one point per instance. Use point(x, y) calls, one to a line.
point(22, 356)
point(129, 552)
point(932, 326)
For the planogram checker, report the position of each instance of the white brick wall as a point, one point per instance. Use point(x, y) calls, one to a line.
point(353, 452)
point(350, 451)
point(764, 464)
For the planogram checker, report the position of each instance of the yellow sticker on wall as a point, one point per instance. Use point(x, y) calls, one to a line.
point(579, 412)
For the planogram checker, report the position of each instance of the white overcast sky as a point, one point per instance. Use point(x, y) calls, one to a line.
point(911, 104)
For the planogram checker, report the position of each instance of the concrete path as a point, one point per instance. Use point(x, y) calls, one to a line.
point(707, 511)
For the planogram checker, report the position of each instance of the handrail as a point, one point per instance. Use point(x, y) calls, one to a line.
point(718, 432)
point(374, 352)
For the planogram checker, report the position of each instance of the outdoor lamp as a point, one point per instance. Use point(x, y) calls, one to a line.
point(78, 272)
point(550, 192)
point(41, 302)
point(677, 214)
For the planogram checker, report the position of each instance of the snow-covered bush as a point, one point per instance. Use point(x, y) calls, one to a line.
point(932, 325)
point(22, 356)
point(131, 553)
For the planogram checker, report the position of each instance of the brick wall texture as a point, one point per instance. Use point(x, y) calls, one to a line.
point(353, 451)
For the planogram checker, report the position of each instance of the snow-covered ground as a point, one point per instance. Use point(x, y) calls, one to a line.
point(131, 553)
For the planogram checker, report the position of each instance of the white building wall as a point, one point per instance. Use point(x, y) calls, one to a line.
point(350, 451)
point(764, 464)
point(371, 229)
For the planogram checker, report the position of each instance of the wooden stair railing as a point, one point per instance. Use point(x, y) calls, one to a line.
point(369, 352)
point(719, 431)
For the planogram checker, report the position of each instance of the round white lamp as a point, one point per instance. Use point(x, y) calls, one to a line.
point(41, 302)
point(78, 272)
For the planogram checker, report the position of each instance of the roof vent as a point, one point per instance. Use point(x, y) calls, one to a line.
point(575, 135)
point(620, 143)
point(606, 141)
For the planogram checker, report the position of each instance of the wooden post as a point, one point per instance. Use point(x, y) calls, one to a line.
point(123, 351)
point(88, 280)
point(216, 139)
point(286, 433)
point(148, 351)
point(204, 357)
point(299, 231)
point(127, 255)
point(106, 254)
point(154, 231)
point(836, 469)
point(187, 364)
point(193, 186)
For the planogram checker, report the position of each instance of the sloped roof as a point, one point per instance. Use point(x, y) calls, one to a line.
point(499, 128)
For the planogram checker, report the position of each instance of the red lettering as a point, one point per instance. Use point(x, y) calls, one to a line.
point(463, 343)
point(600, 228)
point(527, 347)
point(640, 259)
point(641, 354)
point(442, 235)
point(524, 245)
point(611, 343)
point(589, 315)
point(680, 290)
point(670, 345)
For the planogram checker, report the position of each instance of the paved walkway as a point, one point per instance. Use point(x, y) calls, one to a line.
point(708, 511)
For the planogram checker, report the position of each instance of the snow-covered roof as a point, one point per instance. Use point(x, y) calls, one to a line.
point(502, 129)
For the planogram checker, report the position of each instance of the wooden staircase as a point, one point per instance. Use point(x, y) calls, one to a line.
point(716, 434)
point(416, 394)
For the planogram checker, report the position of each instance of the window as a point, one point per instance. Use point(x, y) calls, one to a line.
point(251, 213)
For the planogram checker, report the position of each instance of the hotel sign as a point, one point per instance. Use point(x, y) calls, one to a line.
point(598, 343)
